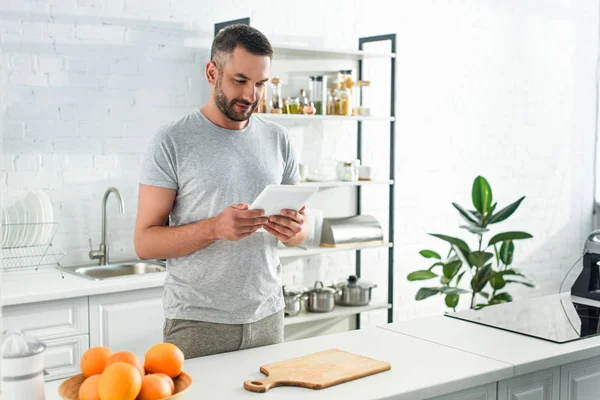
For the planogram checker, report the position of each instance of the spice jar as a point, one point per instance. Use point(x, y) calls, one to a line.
point(293, 105)
point(276, 103)
point(330, 102)
point(319, 95)
point(343, 95)
point(362, 109)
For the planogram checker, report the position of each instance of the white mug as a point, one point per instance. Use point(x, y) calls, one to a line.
point(303, 171)
point(364, 172)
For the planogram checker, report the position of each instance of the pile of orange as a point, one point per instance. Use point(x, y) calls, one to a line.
point(122, 376)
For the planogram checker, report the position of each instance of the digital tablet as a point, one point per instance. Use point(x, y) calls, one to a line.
point(275, 198)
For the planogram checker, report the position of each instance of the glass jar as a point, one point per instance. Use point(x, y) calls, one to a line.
point(343, 95)
point(303, 98)
point(293, 105)
point(331, 102)
point(276, 103)
point(361, 109)
point(319, 95)
point(349, 172)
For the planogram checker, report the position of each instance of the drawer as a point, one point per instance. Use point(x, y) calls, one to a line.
point(62, 356)
point(49, 319)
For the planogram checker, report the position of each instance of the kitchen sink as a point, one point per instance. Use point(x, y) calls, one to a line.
point(116, 270)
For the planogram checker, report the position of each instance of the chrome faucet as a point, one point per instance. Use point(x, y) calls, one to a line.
point(102, 253)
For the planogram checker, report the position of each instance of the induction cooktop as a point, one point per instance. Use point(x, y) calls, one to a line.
point(558, 318)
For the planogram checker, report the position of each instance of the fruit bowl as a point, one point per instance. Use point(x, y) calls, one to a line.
point(69, 389)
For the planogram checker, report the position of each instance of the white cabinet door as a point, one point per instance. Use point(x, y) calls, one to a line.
point(580, 380)
point(131, 321)
point(49, 319)
point(485, 392)
point(62, 356)
point(540, 385)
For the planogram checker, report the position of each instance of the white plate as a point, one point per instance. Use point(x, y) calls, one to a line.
point(36, 214)
point(4, 228)
point(11, 213)
point(48, 217)
point(22, 228)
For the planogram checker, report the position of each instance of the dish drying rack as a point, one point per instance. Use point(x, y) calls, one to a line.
point(15, 258)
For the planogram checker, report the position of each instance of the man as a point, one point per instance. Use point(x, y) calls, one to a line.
point(223, 290)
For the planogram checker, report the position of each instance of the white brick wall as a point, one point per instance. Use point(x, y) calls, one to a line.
point(497, 89)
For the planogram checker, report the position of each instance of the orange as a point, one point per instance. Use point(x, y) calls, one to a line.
point(93, 360)
point(154, 387)
point(119, 381)
point(89, 388)
point(128, 357)
point(169, 381)
point(164, 357)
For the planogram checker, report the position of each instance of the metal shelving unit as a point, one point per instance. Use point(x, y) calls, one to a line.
point(360, 56)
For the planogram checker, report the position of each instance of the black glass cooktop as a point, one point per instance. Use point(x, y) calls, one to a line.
point(557, 318)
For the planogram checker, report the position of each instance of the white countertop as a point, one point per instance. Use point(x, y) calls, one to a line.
point(48, 284)
point(527, 354)
point(420, 369)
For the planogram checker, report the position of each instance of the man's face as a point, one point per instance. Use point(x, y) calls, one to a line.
point(240, 84)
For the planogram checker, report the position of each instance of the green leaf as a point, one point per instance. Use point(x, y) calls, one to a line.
point(504, 236)
point(452, 300)
point(461, 244)
point(451, 268)
point(510, 272)
point(505, 212)
point(524, 283)
point(482, 195)
point(459, 277)
point(435, 265)
point(497, 281)
point(501, 298)
point(444, 280)
point(481, 278)
point(421, 275)
point(479, 258)
point(489, 213)
point(453, 290)
point(485, 294)
point(506, 252)
point(467, 214)
point(425, 292)
point(430, 254)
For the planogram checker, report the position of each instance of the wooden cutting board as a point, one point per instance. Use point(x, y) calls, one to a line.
point(317, 371)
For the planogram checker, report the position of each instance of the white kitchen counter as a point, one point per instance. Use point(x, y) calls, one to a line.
point(48, 284)
point(527, 354)
point(420, 369)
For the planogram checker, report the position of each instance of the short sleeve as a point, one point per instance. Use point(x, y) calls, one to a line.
point(291, 174)
point(159, 165)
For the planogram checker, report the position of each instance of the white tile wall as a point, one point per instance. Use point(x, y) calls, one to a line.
point(501, 89)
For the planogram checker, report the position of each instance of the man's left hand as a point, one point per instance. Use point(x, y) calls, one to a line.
point(287, 225)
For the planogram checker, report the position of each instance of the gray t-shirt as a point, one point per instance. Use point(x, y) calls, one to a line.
point(231, 282)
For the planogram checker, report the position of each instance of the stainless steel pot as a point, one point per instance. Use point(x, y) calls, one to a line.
point(353, 292)
point(293, 302)
point(321, 299)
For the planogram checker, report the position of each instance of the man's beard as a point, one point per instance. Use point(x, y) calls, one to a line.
point(227, 107)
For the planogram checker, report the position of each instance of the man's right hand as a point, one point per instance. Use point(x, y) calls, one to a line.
point(237, 221)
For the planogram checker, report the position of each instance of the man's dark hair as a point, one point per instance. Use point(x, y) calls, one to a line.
point(230, 37)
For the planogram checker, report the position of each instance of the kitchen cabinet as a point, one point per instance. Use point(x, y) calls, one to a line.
point(49, 319)
point(580, 380)
point(540, 385)
point(61, 324)
point(62, 356)
point(485, 392)
point(131, 321)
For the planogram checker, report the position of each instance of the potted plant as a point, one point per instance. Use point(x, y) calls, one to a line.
point(488, 265)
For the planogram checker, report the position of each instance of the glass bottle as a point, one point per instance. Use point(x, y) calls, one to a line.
point(303, 98)
point(293, 105)
point(276, 101)
point(361, 109)
point(330, 102)
point(320, 95)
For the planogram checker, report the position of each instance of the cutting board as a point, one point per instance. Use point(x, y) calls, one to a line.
point(317, 371)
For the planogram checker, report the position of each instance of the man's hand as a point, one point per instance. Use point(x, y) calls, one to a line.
point(237, 221)
point(287, 225)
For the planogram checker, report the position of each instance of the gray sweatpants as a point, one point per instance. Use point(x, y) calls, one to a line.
point(197, 339)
